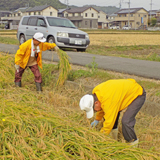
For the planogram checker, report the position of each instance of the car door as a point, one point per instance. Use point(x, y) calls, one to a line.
point(31, 28)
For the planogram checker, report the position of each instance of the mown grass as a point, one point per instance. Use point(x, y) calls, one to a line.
point(50, 125)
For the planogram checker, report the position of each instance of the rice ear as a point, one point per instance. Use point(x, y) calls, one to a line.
point(64, 67)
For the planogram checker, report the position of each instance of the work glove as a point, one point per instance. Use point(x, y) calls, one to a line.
point(56, 48)
point(17, 67)
point(94, 123)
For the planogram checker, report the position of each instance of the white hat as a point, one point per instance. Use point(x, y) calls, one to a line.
point(39, 37)
point(86, 104)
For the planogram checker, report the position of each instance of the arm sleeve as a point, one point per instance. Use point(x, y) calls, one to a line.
point(47, 46)
point(110, 118)
point(20, 53)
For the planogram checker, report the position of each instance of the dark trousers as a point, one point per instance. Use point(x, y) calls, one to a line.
point(128, 119)
point(35, 71)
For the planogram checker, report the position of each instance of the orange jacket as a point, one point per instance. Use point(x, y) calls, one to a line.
point(24, 52)
point(115, 95)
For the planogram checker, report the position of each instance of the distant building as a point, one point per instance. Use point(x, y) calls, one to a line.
point(137, 17)
point(83, 17)
point(45, 10)
point(102, 20)
point(14, 17)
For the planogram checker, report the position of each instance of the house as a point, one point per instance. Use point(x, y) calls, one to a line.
point(136, 17)
point(4, 14)
point(14, 17)
point(83, 17)
point(61, 12)
point(152, 13)
point(158, 14)
point(45, 10)
point(111, 19)
point(102, 20)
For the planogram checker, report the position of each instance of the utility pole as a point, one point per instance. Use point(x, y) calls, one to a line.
point(128, 13)
point(120, 4)
point(67, 3)
point(150, 11)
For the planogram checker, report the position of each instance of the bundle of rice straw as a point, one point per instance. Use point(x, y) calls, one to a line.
point(64, 67)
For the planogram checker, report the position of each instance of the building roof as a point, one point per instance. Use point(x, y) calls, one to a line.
point(79, 9)
point(153, 12)
point(39, 8)
point(131, 10)
point(24, 9)
point(61, 10)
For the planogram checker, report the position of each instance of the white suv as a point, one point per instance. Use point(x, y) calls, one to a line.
point(56, 30)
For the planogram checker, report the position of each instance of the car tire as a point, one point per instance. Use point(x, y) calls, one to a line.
point(22, 39)
point(81, 50)
point(51, 39)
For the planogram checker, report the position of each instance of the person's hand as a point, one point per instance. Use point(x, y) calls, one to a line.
point(94, 123)
point(56, 48)
point(17, 67)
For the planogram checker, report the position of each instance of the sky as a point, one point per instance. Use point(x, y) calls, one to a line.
point(146, 4)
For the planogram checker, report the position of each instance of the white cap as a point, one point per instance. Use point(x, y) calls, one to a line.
point(39, 37)
point(86, 104)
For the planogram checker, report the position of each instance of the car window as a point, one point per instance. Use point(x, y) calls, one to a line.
point(40, 22)
point(32, 21)
point(60, 22)
point(25, 20)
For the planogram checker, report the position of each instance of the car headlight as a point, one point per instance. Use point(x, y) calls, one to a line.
point(87, 36)
point(62, 34)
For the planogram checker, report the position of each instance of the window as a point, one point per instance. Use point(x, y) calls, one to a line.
point(125, 15)
point(32, 21)
point(29, 13)
point(19, 14)
point(39, 13)
point(50, 13)
point(34, 13)
point(85, 14)
point(131, 15)
point(98, 16)
point(145, 15)
point(139, 15)
point(40, 22)
point(92, 14)
point(25, 20)
point(73, 14)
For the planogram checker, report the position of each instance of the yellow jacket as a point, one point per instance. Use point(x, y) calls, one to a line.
point(24, 52)
point(115, 95)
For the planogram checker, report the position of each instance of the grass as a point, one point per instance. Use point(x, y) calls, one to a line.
point(8, 40)
point(49, 125)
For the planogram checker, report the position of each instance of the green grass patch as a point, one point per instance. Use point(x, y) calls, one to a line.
point(8, 40)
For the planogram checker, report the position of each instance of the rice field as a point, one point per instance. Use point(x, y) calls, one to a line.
point(50, 125)
point(109, 40)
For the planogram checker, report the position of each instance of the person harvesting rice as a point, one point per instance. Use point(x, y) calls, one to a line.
point(30, 55)
point(108, 99)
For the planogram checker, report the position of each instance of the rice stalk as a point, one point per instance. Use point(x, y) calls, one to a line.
point(64, 67)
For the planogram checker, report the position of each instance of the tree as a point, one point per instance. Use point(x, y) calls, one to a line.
point(153, 21)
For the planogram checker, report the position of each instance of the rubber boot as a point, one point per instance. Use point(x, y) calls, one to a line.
point(114, 134)
point(38, 86)
point(18, 84)
point(135, 143)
